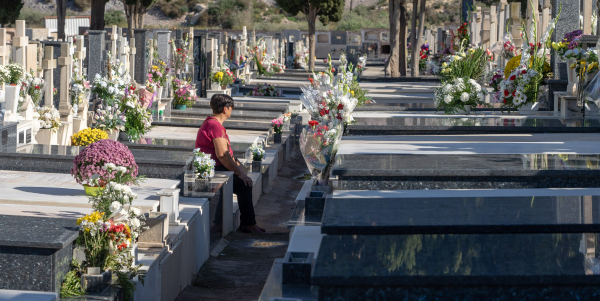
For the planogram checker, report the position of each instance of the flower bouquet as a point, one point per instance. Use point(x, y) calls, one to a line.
point(258, 155)
point(138, 120)
point(277, 125)
point(180, 56)
point(319, 144)
point(183, 95)
point(88, 136)
point(223, 76)
point(109, 119)
point(80, 91)
point(158, 74)
point(33, 86)
point(463, 33)
point(49, 118)
point(265, 90)
point(360, 65)
point(460, 94)
point(518, 87)
point(112, 87)
point(204, 165)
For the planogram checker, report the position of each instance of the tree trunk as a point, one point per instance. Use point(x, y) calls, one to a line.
point(419, 36)
point(413, 40)
point(61, 13)
point(393, 63)
point(312, 19)
point(402, 37)
point(97, 20)
point(351, 2)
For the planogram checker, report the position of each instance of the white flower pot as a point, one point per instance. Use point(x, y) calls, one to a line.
point(160, 93)
point(572, 77)
point(11, 97)
point(47, 137)
point(529, 108)
point(113, 135)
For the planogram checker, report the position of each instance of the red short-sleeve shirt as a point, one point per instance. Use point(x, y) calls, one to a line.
point(211, 129)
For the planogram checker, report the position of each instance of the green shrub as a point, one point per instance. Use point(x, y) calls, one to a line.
point(115, 17)
point(82, 4)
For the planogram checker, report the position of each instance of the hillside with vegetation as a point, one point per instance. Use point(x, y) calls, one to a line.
point(233, 14)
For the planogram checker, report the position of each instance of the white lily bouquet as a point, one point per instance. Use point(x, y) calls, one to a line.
point(204, 164)
point(257, 152)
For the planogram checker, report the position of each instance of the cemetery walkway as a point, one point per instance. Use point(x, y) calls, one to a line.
point(241, 269)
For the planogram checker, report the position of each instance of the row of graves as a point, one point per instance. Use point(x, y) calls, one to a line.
point(414, 197)
point(103, 194)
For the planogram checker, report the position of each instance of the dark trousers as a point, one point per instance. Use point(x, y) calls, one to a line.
point(244, 198)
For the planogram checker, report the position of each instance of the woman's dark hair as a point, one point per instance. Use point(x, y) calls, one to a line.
point(218, 102)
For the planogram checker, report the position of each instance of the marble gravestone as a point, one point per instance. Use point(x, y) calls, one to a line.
point(142, 37)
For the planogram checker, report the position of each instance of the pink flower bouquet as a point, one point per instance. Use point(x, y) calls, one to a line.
point(88, 164)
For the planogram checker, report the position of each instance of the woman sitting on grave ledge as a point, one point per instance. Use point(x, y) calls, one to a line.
point(212, 139)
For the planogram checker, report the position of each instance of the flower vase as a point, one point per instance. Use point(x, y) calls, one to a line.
point(113, 135)
point(223, 87)
point(465, 111)
point(286, 125)
point(92, 190)
point(529, 108)
point(123, 136)
point(180, 107)
point(572, 77)
point(277, 138)
point(11, 98)
point(256, 166)
point(201, 184)
point(159, 94)
point(47, 136)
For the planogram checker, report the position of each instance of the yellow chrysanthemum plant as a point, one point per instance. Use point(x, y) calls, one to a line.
point(88, 136)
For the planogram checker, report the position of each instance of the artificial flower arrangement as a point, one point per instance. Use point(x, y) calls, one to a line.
point(522, 80)
point(88, 136)
point(466, 63)
point(138, 119)
point(508, 48)
point(49, 118)
point(33, 86)
point(463, 33)
point(183, 95)
point(158, 73)
point(458, 94)
point(80, 87)
point(109, 118)
point(90, 166)
point(223, 75)
point(265, 90)
point(257, 152)
point(204, 164)
point(278, 68)
point(585, 61)
point(180, 55)
point(277, 125)
point(330, 103)
point(360, 65)
point(112, 87)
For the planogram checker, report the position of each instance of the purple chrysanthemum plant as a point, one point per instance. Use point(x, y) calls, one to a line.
point(88, 165)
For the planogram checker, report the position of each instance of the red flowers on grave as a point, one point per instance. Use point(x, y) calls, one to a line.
point(132, 88)
point(513, 77)
point(340, 107)
point(313, 123)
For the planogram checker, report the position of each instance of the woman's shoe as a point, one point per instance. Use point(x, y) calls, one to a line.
point(251, 229)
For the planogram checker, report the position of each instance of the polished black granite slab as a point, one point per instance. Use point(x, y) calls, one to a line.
point(153, 163)
point(503, 266)
point(8, 136)
point(470, 125)
point(239, 114)
point(273, 288)
point(527, 214)
point(233, 124)
point(299, 218)
point(491, 171)
point(247, 106)
point(35, 252)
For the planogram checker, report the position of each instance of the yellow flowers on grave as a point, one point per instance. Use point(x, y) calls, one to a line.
point(352, 92)
point(90, 220)
point(218, 76)
point(512, 65)
point(88, 136)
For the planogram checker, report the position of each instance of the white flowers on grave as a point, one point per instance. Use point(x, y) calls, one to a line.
point(204, 164)
point(111, 88)
point(457, 94)
point(257, 152)
point(513, 88)
point(49, 118)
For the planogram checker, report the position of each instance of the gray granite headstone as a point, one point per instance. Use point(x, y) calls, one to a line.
point(95, 53)
point(8, 134)
point(567, 22)
point(162, 40)
point(141, 57)
point(56, 72)
point(562, 71)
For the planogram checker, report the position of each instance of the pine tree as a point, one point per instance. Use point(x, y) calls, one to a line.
point(9, 11)
point(327, 10)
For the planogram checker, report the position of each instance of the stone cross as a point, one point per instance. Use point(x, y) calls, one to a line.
point(65, 62)
point(113, 43)
point(48, 65)
point(478, 26)
point(4, 50)
point(545, 17)
point(191, 55)
point(151, 52)
point(124, 52)
point(132, 52)
point(587, 16)
point(80, 55)
point(32, 57)
point(493, 25)
point(515, 23)
point(20, 42)
point(485, 29)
